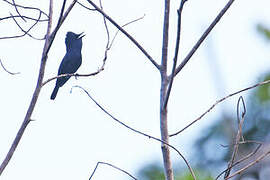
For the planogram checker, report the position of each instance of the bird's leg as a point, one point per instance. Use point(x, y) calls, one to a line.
point(76, 76)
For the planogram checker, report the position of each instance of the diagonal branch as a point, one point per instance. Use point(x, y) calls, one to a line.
point(179, 13)
point(15, 6)
point(261, 157)
point(108, 47)
point(137, 131)
point(111, 165)
point(48, 42)
point(219, 101)
point(126, 33)
point(62, 18)
point(238, 135)
point(25, 17)
point(259, 144)
point(26, 120)
point(27, 32)
point(202, 38)
point(7, 70)
point(86, 6)
point(24, 32)
point(26, 7)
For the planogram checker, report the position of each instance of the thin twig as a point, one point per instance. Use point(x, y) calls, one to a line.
point(25, 7)
point(205, 34)
point(61, 14)
point(244, 158)
point(137, 131)
point(27, 118)
point(15, 6)
point(106, 27)
point(85, 6)
point(26, 17)
point(76, 75)
point(8, 70)
point(27, 32)
point(48, 42)
point(115, 167)
point(249, 165)
point(64, 16)
point(108, 37)
point(238, 135)
point(24, 32)
point(219, 101)
point(128, 23)
point(179, 13)
point(126, 33)
point(104, 60)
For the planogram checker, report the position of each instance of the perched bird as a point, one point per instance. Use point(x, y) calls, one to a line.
point(71, 61)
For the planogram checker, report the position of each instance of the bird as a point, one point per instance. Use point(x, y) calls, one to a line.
point(71, 61)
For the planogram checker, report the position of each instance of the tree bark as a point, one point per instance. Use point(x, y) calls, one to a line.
point(163, 91)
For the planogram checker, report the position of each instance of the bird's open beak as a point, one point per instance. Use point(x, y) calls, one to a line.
point(81, 35)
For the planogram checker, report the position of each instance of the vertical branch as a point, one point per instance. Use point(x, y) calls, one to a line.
point(125, 33)
point(163, 90)
point(48, 43)
point(177, 44)
point(34, 97)
point(204, 35)
point(238, 135)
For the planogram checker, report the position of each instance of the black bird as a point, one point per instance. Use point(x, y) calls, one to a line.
point(71, 61)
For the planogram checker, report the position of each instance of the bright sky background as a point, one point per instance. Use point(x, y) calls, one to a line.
point(71, 134)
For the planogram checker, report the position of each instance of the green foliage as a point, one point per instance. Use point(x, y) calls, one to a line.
point(256, 127)
point(209, 154)
point(264, 31)
point(151, 172)
point(200, 175)
point(263, 92)
point(155, 172)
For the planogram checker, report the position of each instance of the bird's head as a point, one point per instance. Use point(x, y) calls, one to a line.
point(73, 39)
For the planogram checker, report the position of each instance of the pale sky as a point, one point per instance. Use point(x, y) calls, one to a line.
point(71, 134)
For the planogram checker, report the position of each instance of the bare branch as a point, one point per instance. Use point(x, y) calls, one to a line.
point(244, 158)
point(167, 163)
point(108, 38)
point(137, 131)
point(106, 27)
point(27, 32)
point(238, 135)
point(60, 22)
point(85, 6)
point(25, 7)
point(219, 101)
point(27, 120)
point(76, 75)
point(108, 47)
point(249, 165)
point(126, 33)
point(205, 34)
point(111, 165)
point(124, 26)
point(179, 13)
point(61, 15)
point(8, 70)
point(48, 42)
point(25, 17)
point(15, 6)
point(24, 32)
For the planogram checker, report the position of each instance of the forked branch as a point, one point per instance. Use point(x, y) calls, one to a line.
point(219, 101)
point(202, 38)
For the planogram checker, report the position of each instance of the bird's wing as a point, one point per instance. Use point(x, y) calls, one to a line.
point(70, 63)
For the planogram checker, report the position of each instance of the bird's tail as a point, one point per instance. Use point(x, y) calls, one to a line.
point(54, 93)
